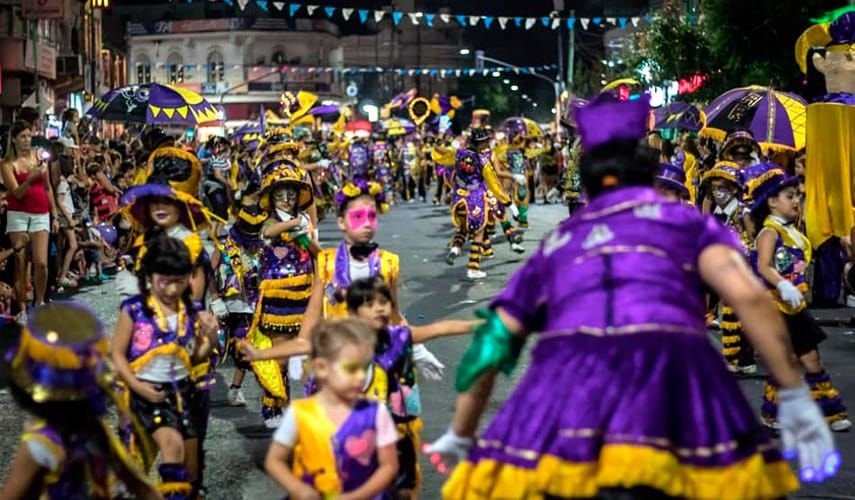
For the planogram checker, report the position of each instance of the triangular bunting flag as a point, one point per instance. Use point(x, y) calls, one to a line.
point(293, 8)
point(346, 13)
point(262, 4)
point(518, 21)
point(516, 70)
point(571, 22)
point(242, 4)
point(622, 22)
point(329, 11)
point(154, 110)
point(425, 71)
point(584, 22)
point(429, 20)
point(363, 16)
point(473, 20)
point(396, 17)
point(411, 72)
point(311, 9)
point(529, 22)
point(442, 73)
point(488, 20)
point(544, 21)
point(182, 111)
point(458, 72)
point(229, 2)
point(414, 17)
point(503, 22)
point(611, 20)
point(471, 72)
point(279, 5)
point(556, 22)
point(378, 15)
point(461, 20)
point(446, 18)
point(485, 72)
point(169, 112)
point(597, 20)
point(635, 21)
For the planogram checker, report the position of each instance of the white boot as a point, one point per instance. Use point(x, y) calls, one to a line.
point(475, 274)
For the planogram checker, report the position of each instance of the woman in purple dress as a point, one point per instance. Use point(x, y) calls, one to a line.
point(625, 397)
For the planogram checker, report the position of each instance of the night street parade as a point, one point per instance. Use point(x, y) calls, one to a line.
point(403, 249)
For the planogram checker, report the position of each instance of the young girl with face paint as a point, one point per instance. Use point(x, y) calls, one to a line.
point(160, 335)
point(357, 256)
point(286, 271)
point(341, 445)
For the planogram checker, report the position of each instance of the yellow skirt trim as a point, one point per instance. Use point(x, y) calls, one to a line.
point(301, 280)
point(273, 319)
point(288, 294)
point(268, 372)
point(730, 351)
point(171, 349)
point(730, 325)
point(624, 466)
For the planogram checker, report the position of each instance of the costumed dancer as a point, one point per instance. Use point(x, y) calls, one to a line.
point(317, 434)
point(287, 270)
point(723, 184)
point(410, 168)
point(238, 267)
point(671, 183)
point(572, 181)
point(511, 158)
point(166, 203)
point(61, 377)
point(383, 165)
point(359, 160)
point(427, 169)
point(474, 182)
point(781, 255)
point(614, 427)
point(159, 336)
point(830, 154)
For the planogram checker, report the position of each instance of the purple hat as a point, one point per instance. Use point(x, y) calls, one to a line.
point(673, 177)
point(764, 181)
point(842, 29)
point(606, 119)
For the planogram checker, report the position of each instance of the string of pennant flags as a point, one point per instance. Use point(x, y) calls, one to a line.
point(441, 72)
point(432, 19)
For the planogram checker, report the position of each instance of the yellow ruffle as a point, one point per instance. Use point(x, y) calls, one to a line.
point(175, 488)
point(288, 294)
point(164, 350)
point(268, 372)
point(620, 466)
point(301, 280)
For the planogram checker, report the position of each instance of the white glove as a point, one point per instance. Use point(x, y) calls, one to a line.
point(789, 293)
point(324, 163)
point(450, 445)
point(427, 363)
point(218, 307)
point(283, 216)
point(805, 432)
point(302, 228)
point(295, 367)
point(515, 212)
point(520, 179)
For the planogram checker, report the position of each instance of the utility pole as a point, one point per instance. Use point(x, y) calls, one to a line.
point(571, 55)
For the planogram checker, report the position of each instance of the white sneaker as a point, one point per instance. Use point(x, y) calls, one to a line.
point(516, 247)
point(474, 274)
point(236, 398)
point(841, 425)
point(748, 370)
point(21, 318)
point(273, 422)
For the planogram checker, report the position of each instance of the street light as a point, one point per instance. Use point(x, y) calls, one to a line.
point(506, 81)
point(556, 84)
point(496, 74)
point(525, 96)
point(464, 52)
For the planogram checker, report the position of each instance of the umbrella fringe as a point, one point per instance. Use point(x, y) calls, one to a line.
point(713, 133)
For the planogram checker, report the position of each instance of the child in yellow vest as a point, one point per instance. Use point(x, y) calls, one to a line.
point(341, 445)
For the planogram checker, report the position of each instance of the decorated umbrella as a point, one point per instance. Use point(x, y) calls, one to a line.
point(679, 116)
point(326, 113)
point(776, 119)
point(153, 104)
point(359, 127)
point(399, 126)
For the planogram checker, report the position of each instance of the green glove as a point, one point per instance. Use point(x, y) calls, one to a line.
point(493, 347)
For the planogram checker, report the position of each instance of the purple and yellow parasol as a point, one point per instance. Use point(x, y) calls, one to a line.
point(398, 126)
point(776, 119)
point(679, 116)
point(153, 104)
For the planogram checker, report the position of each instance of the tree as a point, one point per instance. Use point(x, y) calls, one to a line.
point(732, 43)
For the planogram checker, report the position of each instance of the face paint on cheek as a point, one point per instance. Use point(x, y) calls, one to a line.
point(359, 217)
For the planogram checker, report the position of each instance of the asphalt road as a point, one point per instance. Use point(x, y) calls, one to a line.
point(430, 291)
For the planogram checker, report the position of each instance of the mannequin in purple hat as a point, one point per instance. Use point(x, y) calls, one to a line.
point(624, 397)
